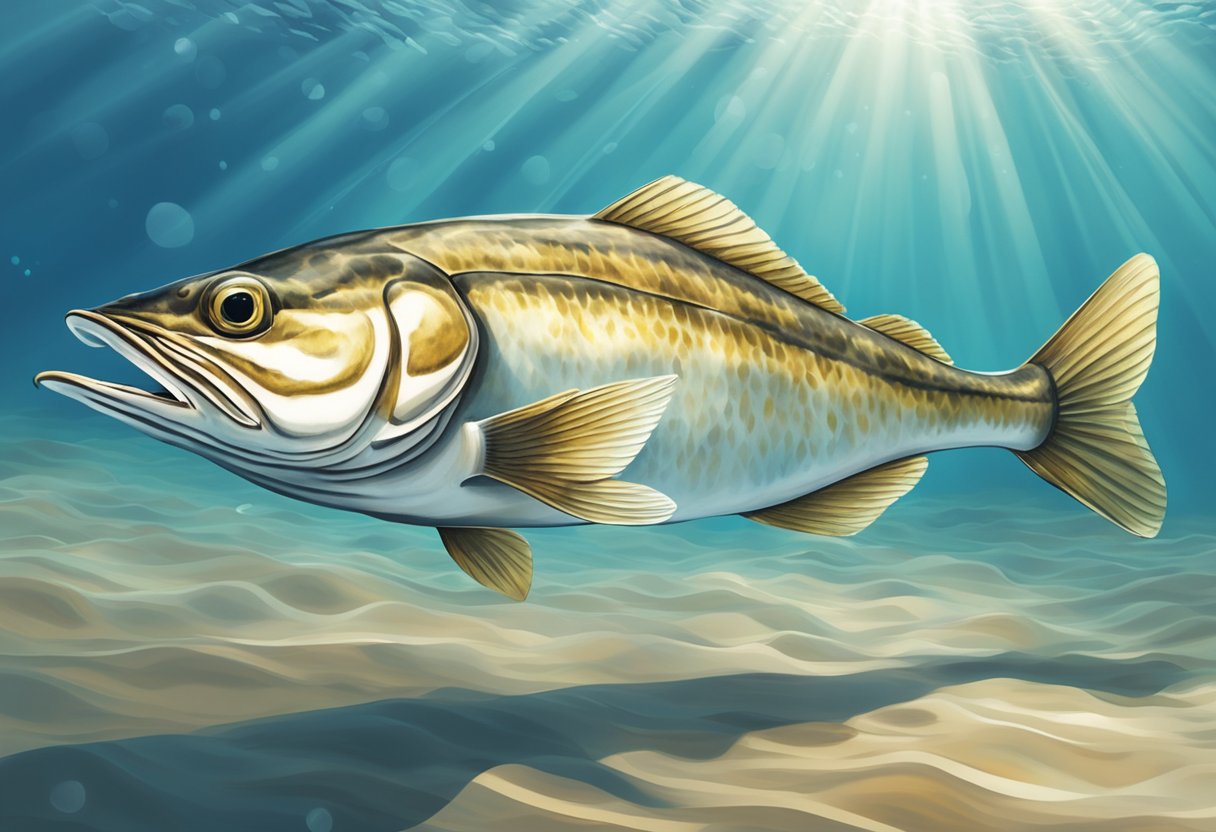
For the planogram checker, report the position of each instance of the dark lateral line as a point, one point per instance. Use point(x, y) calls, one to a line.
point(776, 333)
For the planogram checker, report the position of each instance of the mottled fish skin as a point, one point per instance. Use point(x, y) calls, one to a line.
point(776, 397)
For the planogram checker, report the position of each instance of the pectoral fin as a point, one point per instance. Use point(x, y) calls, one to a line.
point(848, 506)
point(496, 558)
point(563, 450)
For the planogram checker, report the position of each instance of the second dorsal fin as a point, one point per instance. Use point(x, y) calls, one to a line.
point(908, 332)
point(701, 219)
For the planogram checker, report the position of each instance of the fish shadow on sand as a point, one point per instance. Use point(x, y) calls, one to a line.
point(392, 764)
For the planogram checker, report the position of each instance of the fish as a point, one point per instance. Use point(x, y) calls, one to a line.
point(659, 361)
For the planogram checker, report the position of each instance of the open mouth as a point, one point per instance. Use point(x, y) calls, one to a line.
point(98, 330)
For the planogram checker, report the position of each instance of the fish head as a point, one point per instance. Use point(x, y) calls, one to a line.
point(312, 357)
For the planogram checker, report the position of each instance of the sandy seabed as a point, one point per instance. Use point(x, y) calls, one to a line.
point(181, 650)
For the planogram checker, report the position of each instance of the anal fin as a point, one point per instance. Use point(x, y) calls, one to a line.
point(565, 449)
point(495, 558)
point(909, 332)
point(846, 507)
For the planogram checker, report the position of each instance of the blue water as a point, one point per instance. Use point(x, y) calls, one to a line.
point(179, 649)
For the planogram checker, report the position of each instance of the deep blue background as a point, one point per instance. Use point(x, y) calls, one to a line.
point(981, 173)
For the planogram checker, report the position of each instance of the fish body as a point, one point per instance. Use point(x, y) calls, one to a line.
point(659, 361)
point(775, 397)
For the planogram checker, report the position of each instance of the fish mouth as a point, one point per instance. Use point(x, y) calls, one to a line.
point(98, 330)
point(183, 390)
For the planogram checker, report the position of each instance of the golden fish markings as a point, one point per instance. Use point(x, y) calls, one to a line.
point(660, 361)
point(636, 260)
point(309, 354)
point(752, 407)
point(612, 253)
point(438, 339)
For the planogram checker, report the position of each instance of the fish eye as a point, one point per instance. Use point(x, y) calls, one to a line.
point(239, 306)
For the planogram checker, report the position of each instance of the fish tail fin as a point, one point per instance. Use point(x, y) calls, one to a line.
point(1096, 450)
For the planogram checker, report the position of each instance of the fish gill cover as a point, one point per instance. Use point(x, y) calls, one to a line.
point(180, 649)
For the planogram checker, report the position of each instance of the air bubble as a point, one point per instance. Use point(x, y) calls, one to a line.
point(270, 163)
point(401, 174)
point(730, 108)
point(319, 820)
point(313, 89)
point(169, 225)
point(68, 796)
point(375, 118)
point(535, 170)
point(179, 116)
point(185, 49)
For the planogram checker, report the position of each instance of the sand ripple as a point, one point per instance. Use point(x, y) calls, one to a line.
point(988, 663)
point(977, 756)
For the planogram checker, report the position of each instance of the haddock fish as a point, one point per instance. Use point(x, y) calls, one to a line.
point(659, 361)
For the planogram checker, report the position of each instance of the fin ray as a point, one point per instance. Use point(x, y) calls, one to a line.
point(909, 332)
point(564, 449)
point(846, 507)
point(709, 222)
point(611, 502)
point(1097, 360)
point(495, 558)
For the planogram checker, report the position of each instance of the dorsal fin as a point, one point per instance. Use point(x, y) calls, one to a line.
point(846, 507)
point(712, 224)
point(908, 332)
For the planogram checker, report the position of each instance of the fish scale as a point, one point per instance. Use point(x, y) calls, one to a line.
point(754, 420)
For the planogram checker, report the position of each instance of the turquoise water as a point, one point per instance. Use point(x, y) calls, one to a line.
point(180, 649)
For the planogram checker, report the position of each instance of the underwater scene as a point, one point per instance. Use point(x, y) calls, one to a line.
point(182, 648)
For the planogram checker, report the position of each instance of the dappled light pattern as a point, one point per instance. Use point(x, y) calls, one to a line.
point(952, 667)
